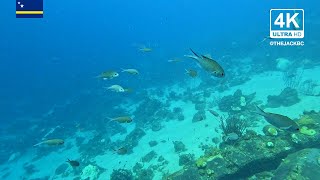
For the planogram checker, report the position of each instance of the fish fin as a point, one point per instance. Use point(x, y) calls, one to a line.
point(192, 57)
point(123, 70)
point(194, 53)
point(259, 111)
point(205, 57)
point(38, 144)
point(110, 119)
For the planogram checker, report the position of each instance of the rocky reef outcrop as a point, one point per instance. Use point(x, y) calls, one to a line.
point(287, 155)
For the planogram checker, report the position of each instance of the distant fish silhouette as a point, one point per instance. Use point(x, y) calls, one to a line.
point(51, 142)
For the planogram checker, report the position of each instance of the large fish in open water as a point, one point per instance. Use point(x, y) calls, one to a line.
point(279, 121)
point(208, 64)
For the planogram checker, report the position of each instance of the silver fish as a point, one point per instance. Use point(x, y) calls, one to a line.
point(279, 121)
point(208, 64)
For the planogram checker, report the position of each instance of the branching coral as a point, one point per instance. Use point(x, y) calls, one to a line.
point(233, 124)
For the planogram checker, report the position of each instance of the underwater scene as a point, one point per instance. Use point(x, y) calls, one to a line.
point(160, 90)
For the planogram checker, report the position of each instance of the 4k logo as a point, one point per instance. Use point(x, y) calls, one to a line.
point(287, 23)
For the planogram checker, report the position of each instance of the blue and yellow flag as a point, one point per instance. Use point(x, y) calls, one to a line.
point(29, 8)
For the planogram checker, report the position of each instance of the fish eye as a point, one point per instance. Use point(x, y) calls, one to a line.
point(222, 74)
point(297, 129)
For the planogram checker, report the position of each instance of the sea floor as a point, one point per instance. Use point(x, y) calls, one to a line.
point(193, 135)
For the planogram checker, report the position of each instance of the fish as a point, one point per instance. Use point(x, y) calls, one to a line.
point(131, 71)
point(108, 75)
point(208, 64)
point(121, 119)
point(115, 88)
point(279, 121)
point(73, 163)
point(128, 90)
point(175, 60)
point(145, 49)
point(213, 112)
point(121, 151)
point(231, 136)
point(51, 142)
point(192, 73)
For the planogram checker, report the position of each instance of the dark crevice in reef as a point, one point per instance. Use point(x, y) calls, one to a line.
point(266, 164)
point(255, 167)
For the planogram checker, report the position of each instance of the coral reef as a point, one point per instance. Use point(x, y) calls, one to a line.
point(89, 172)
point(309, 119)
point(306, 120)
point(153, 143)
point(201, 162)
point(257, 156)
point(291, 79)
point(300, 165)
point(233, 125)
point(306, 131)
point(270, 130)
point(133, 138)
point(186, 159)
point(309, 88)
point(61, 169)
point(236, 103)
point(150, 110)
point(286, 98)
point(121, 174)
point(199, 116)
point(179, 146)
point(180, 117)
point(29, 169)
point(145, 174)
point(200, 106)
point(148, 157)
point(283, 64)
point(156, 126)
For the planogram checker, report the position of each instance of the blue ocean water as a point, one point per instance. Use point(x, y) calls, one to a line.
point(48, 66)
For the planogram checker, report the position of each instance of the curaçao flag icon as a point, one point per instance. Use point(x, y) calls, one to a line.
point(29, 8)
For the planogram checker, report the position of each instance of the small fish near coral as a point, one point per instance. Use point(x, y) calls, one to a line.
point(121, 119)
point(214, 113)
point(192, 73)
point(121, 151)
point(51, 142)
point(73, 163)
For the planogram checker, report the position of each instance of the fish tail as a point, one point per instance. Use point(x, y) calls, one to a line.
point(68, 160)
point(194, 53)
point(259, 111)
point(110, 119)
point(115, 150)
point(37, 144)
point(192, 57)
